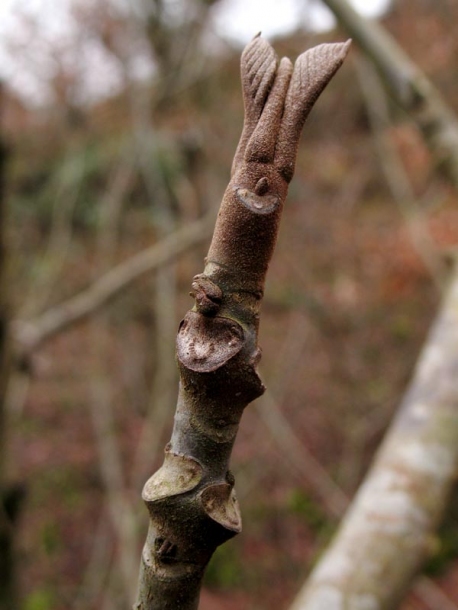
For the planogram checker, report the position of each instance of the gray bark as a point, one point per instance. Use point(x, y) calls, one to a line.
point(29, 335)
point(389, 529)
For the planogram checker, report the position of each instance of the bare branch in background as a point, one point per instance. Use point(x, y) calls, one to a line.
point(49, 266)
point(29, 335)
point(411, 89)
point(316, 478)
point(101, 402)
point(385, 536)
point(395, 175)
point(386, 533)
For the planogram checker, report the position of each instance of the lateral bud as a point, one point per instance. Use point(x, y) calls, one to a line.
point(207, 294)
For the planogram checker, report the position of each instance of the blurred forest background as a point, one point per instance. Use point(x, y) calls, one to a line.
point(366, 241)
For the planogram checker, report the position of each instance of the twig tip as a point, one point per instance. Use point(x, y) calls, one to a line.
point(347, 45)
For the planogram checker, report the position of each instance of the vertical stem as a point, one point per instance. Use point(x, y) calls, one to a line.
point(191, 500)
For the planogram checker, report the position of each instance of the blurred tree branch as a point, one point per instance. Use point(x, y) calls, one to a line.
point(407, 84)
point(162, 34)
point(388, 531)
point(30, 334)
point(396, 177)
point(173, 40)
point(101, 402)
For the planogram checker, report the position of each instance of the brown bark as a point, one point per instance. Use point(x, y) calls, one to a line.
point(191, 499)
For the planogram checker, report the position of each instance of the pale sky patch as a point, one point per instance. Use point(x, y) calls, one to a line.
point(32, 32)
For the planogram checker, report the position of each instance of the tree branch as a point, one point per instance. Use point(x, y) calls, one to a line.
point(411, 89)
point(191, 499)
point(396, 177)
point(388, 531)
point(30, 334)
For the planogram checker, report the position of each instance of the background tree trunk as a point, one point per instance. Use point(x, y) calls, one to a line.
point(407, 84)
point(10, 495)
point(388, 531)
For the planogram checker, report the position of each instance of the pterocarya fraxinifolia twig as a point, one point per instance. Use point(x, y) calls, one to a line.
point(191, 499)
